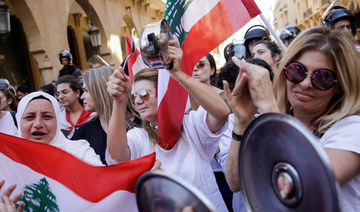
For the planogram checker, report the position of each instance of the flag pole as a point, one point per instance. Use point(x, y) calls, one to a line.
point(272, 31)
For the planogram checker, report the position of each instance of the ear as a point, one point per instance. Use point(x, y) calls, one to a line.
point(77, 93)
point(212, 71)
point(9, 101)
point(277, 57)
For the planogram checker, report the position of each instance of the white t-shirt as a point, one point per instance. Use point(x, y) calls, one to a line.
point(238, 202)
point(7, 125)
point(80, 149)
point(189, 158)
point(344, 135)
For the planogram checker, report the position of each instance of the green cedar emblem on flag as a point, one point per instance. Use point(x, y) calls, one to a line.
point(174, 10)
point(38, 197)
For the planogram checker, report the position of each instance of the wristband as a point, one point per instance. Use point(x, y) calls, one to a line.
point(236, 137)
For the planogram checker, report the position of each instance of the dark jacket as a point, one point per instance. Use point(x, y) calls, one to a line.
point(70, 70)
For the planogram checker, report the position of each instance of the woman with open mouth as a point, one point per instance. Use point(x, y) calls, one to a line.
point(38, 118)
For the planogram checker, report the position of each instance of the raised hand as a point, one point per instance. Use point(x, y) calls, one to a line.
point(239, 99)
point(173, 54)
point(119, 86)
point(7, 204)
point(259, 85)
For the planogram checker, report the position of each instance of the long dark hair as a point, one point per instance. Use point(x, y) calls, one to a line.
point(213, 77)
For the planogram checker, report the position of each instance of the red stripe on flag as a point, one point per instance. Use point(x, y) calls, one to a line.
point(131, 59)
point(90, 182)
point(221, 22)
point(251, 8)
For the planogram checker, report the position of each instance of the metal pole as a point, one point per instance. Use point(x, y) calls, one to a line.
point(272, 31)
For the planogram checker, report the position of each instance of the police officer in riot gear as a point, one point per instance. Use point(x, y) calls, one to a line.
point(286, 36)
point(294, 30)
point(65, 58)
point(341, 19)
point(254, 34)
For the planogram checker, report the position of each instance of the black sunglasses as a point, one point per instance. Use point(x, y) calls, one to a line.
point(321, 79)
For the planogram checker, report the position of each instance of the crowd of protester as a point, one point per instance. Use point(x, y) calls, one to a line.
point(316, 80)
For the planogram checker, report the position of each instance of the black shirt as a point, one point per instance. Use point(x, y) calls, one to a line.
point(94, 134)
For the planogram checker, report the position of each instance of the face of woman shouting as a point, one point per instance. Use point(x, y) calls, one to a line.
point(38, 122)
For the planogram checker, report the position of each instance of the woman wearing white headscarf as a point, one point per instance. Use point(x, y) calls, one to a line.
point(38, 117)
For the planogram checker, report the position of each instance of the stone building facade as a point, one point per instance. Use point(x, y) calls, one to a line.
point(304, 13)
point(40, 29)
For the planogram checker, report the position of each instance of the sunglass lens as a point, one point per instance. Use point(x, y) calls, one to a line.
point(295, 72)
point(323, 79)
point(200, 64)
point(143, 94)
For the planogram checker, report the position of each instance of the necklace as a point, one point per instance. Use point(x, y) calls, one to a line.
point(154, 127)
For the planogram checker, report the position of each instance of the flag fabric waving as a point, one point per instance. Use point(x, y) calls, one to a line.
point(53, 180)
point(200, 26)
point(135, 63)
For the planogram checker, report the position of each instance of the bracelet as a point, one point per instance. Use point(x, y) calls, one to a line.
point(236, 137)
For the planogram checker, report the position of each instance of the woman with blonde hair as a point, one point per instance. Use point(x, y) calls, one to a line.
point(96, 99)
point(320, 85)
point(189, 157)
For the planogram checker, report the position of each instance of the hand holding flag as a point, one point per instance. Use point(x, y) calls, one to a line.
point(119, 86)
point(174, 55)
point(200, 26)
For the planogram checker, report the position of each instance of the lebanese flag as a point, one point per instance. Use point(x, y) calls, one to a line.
point(52, 178)
point(135, 63)
point(200, 26)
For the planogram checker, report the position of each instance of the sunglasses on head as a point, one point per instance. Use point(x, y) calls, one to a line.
point(321, 79)
point(4, 84)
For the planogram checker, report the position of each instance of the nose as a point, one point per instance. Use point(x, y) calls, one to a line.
point(347, 29)
point(60, 95)
point(38, 122)
point(82, 97)
point(306, 83)
point(138, 100)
